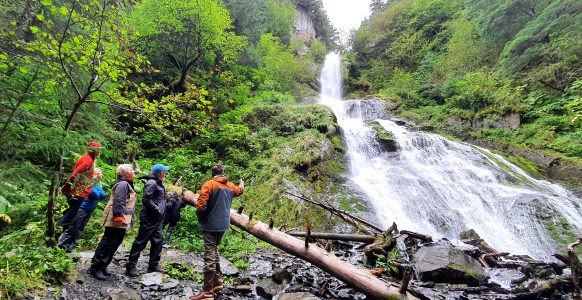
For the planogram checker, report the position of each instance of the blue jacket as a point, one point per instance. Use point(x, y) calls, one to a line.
point(97, 193)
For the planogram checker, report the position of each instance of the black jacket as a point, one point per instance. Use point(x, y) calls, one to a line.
point(154, 200)
point(173, 208)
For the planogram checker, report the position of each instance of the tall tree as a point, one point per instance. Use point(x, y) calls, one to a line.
point(178, 35)
point(71, 52)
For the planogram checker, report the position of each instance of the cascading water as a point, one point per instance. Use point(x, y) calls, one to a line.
point(439, 187)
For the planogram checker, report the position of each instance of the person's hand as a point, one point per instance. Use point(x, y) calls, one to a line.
point(241, 182)
point(119, 220)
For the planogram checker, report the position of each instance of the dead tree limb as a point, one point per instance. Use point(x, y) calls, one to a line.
point(360, 279)
point(416, 235)
point(360, 238)
point(359, 223)
point(575, 267)
point(489, 258)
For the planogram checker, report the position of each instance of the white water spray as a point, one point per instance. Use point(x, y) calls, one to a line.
point(440, 187)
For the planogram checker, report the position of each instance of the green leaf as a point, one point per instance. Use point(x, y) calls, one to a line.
point(63, 11)
point(33, 29)
point(46, 2)
point(40, 17)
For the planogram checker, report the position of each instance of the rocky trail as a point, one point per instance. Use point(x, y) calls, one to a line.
point(270, 275)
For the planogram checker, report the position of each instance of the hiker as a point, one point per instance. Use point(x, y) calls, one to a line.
point(77, 188)
point(117, 217)
point(70, 237)
point(174, 206)
point(213, 211)
point(150, 221)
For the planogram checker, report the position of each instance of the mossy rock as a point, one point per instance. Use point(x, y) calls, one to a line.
point(385, 138)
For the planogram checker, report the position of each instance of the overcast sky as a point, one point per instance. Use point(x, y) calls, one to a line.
point(346, 14)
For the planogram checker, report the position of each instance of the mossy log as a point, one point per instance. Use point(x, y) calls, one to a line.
point(360, 279)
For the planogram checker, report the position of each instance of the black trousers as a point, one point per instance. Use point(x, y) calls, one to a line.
point(70, 237)
point(71, 212)
point(171, 226)
point(107, 247)
point(148, 232)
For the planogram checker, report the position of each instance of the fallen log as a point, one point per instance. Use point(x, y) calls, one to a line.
point(360, 279)
point(416, 235)
point(360, 238)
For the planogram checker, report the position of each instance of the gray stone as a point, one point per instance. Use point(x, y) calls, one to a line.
point(267, 288)
point(150, 279)
point(303, 28)
point(123, 294)
point(506, 277)
point(446, 264)
point(227, 267)
point(281, 275)
point(258, 267)
point(169, 285)
point(298, 296)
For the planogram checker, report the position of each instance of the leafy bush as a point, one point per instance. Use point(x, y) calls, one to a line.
point(26, 263)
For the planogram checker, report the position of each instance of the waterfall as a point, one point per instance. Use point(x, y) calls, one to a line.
point(441, 187)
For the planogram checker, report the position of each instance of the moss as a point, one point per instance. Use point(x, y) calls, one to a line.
point(381, 133)
point(560, 232)
point(526, 165)
point(462, 268)
point(503, 165)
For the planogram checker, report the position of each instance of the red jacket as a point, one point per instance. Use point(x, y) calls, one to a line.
point(81, 180)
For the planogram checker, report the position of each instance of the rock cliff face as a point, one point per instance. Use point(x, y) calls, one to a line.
point(303, 28)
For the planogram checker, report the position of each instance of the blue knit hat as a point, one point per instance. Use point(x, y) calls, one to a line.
point(158, 168)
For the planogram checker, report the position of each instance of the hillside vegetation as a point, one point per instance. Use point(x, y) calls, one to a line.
point(469, 66)
point(184, 83)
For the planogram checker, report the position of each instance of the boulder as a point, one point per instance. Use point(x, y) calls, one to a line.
point(385, 139)
point(444, 263)
point(298, 296)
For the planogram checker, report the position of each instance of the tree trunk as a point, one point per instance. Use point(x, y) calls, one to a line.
point(360, 279)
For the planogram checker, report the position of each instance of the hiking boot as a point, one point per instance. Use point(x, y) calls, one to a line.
point(156, 268)
point(131, 271)
point(217, 285)
point(106, 273)
point(97, 274)
point(202, 296)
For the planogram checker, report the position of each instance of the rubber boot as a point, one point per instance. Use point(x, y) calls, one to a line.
point(206, 293)
point(217, 284)
point(131, 270)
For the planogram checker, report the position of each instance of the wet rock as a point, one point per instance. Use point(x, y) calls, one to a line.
point(506, 278)
point(280, 275)
point(227, 267)
point(298, 296)
point(386, 141)
point(267, 288)
point(123, 294)
point(446, 264)
point(260, 267)
point(371, 109)
point(169, 285)
point(150, 279)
